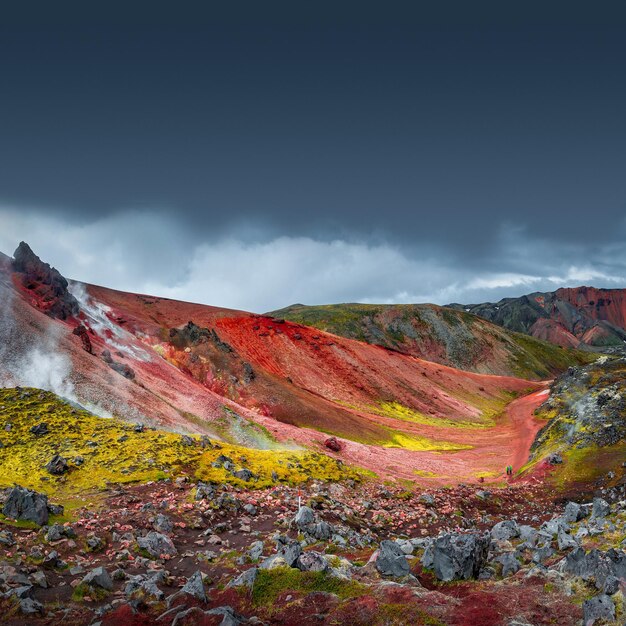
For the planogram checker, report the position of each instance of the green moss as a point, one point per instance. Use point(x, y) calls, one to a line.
point(82, 591)
point(101, 452)
point(269, 584)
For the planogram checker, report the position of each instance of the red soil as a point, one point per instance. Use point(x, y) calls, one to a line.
point(306, 381)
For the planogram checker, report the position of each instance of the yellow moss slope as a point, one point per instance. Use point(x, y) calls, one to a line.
point(113, 452)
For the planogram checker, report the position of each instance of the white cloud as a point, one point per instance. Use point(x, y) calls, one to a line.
point(151, 253)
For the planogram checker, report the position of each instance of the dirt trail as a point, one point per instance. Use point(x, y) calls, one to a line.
point(526, 425)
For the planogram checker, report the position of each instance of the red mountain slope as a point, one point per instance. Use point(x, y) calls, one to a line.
point(256, 379)
point(569, 317)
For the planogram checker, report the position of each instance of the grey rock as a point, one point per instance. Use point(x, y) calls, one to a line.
point(163, 523)
point(601, 508)
point(290, 552)
point(565, 541)
point(510, 564)
point(573, 512)
point(28, 606)
point(99, 577)
point(458, 556)
point(195, 587)
point(157, 544)
point(250, 509)
point(24, 504)
point(506, 529)
point(57, 465)
point(245, 579)
point(56, 532)
point(204, 491)
point(304, 517)
point(40, 429)
point(255, 551)
point(244, 474)
point(391, 560)
point(312, 561)
point(600, 607)
point(6, 538)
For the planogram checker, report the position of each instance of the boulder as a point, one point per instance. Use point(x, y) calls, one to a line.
point(157, 544)
point(40, 429)
point(205, 491)
point(24, 504)
point(601, 508)
point(391, 560)
point(99, 577)
point(304, 517)
point(57, 466)
point(507, 529)
point(245, 579)
point(573, 512)
point(598, 608)
point(243, 474)
point(312, 561)
point(332, 443)
point(458, 556)
point(195, 587)
point(510, 564)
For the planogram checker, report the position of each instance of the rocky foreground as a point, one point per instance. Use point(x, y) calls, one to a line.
point(194, 553)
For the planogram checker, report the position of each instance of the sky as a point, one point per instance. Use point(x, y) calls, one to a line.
point(253, 155)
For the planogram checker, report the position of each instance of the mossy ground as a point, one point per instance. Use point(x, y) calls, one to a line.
point(270, 584)
point(101, 452)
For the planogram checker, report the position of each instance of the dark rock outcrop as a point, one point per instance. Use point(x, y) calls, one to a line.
point(24, 504)
point(49, 287)
point(457, 557)
point(81, 331)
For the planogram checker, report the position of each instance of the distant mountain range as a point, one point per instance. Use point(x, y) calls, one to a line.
point(579, 317)
point(443, 335)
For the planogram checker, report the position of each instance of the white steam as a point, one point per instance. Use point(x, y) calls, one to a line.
point(28, 359)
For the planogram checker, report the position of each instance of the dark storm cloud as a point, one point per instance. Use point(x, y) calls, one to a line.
point(430, 130)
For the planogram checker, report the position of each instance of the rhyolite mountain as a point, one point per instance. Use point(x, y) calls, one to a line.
point(443, 335)
point(200, 465)
point(265, 381)
point(579, 317)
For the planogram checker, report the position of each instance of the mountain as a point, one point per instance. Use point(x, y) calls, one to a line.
point(163, 462)
point(257, 380)
point(443, 335)
point(581, 317)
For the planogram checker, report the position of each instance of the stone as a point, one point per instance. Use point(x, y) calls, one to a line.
point(510, 564)
point(157, 544)
point(391, 560)
point(598, 608)
point(243, 474)
point(573, 512)
point(195, 587)
point(255, 551)
point(40, 429)
point(57, 466)
point(601, 508)
point(99, 577)
point(24, 504)
point(457, 556)
point(205, 491)
point(28, 606)
point(565, 541)
point(245, 579)
point(507, 529)
point(163, 524)
point(304, 517)
point(312, 561)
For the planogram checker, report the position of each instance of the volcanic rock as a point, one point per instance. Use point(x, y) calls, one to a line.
point(50, 288)
point(24, 504)
point(459, 556)
point(391, 560)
